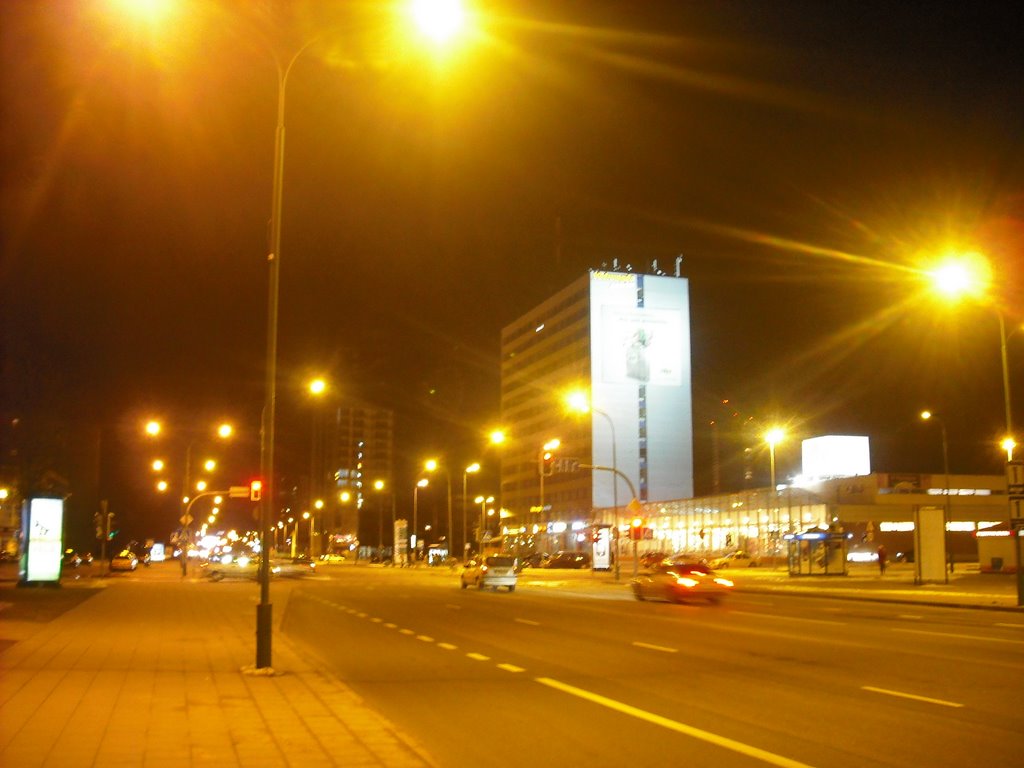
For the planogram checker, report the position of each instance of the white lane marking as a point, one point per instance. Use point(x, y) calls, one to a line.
point(673, 725)
point(453, 606)
point(529, 621)
point(389, 625)
point(511, 668)
point(362, 615)
point(958, 636)
point(425, 638)
point(447, 646)
point(406, 632)
point(478, 657)
point(910, 616)
point(912, 696)
point(1011, 626)
point(790, 618)
point(376, 620)
point(662, 648)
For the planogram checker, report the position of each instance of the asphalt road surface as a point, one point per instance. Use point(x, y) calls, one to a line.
point(567, 672)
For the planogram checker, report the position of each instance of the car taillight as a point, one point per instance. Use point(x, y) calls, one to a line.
point(483, 569)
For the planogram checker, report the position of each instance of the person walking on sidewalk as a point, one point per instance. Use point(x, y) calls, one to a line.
point(883, 559)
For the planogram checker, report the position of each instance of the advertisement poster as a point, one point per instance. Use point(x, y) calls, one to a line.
point(44, 529)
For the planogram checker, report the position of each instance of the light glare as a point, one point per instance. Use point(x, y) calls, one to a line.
point(438, 20)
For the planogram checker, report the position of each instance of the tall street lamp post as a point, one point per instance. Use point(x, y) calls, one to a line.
point(440, 22)
point(378, 486)
point(414, 539)
point(773, 437)
point(580, 402)
point(471, 469)
point(432, 465)
point(483, 501)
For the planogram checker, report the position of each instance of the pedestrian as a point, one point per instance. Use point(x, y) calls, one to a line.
point(883, 558)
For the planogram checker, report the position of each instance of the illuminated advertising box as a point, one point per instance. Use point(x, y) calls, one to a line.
point(640, 379)
point(43, 530)
point(836, 456)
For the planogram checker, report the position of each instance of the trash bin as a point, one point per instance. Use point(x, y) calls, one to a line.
point(997, 563)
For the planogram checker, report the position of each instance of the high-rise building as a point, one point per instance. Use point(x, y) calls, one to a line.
point(360, 451)
point(623, 340)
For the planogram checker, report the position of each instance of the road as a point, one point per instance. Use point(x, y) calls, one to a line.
point(566, 672)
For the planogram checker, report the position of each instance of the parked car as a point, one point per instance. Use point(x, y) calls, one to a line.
point(678, 579)
point(738, 559)
point(125, 560)
point(533, 560)
point(490, 571)
point(649, 559)
point(568, 559)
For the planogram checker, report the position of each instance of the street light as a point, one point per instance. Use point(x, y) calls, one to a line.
point(378, 486)
point(580, 403)
point(428, 21)
point(431, 465)
point(773, 437)
point(421, 483)
point(471, 469)
point(1008, 444)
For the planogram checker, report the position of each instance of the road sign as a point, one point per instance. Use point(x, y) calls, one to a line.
point(565, 464)
point(634, 507)
point(1015, 477)
point(186, 519)
point(238, 492)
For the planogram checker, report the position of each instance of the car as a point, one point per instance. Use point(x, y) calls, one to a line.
point(533, 560)
point(125, 560)
point(678, 580)
point(650, 559)
point(71, 559)
point(738, 559)
point(568, 559)
point(490, 571)
point(245, 567)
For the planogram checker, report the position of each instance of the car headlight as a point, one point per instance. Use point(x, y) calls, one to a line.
point(723, 582)
point(687, 582)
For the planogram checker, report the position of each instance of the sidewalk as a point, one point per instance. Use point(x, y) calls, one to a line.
point(150, 673)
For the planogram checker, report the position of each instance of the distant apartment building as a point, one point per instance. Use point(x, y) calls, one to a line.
point(624, 339)
point(360, 450)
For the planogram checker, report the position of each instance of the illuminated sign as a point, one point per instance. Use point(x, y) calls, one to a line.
point(836, 456)
point(43, 528)
point(640, 380)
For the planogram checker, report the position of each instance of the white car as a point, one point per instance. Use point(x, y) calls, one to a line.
point(738, 559)
point(490, 571)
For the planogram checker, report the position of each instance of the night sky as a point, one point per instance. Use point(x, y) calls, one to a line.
point(804, 158)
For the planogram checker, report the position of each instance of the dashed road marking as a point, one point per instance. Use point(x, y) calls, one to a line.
point(958, 636)
point(447, 646)
point(425, 638)
point(531, 622)
point(478, 657)
point(511, 668)
point(790, 618)
point(648, 646)
point(389, 625)
point(673, 725)
point(1011, 626)
point(406, 632)
point(912, 696)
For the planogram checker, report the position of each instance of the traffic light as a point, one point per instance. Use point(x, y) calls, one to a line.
point(547, 463)
point(255, 490)
point(636, 529)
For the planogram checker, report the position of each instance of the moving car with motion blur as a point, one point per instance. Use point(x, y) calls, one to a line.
point(490, 571)
point(678, 580)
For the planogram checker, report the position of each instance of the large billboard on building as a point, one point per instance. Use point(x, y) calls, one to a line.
point(836, 456)
point(640, 381)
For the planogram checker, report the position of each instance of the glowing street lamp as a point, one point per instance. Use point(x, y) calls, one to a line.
point(1008, 444)
point(438, 20)
point(579, 402)
point(470, 470)
point(773, 437)
point(483, 501)
point(158, 465)
point(421, 483)
point(431, 465)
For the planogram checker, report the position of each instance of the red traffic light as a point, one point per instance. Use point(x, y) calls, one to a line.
point(636, 529)
point(255, 490)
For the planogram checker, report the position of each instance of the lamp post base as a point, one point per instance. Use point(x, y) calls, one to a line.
point(264, 614)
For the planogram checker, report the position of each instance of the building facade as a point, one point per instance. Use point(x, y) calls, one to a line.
point(360, 452)
point(623, 339)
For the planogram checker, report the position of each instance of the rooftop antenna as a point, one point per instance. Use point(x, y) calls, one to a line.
point(679, 265)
